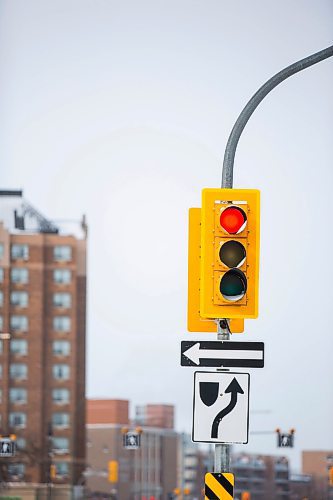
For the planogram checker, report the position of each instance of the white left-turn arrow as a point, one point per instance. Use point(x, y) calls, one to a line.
point(194, 353)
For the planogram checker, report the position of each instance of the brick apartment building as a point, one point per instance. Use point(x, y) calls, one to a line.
point(155, 415)
point(317, 463)
point(146, 473)
point(42, 360)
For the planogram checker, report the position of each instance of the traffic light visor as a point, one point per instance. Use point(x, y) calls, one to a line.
point(233, 220)
point(233, 285)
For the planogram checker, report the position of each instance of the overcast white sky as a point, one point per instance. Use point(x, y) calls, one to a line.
point(121, 110)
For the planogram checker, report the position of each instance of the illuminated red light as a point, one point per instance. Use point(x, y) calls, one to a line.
point(233, 220)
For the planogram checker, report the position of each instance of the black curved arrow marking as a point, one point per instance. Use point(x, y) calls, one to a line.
point(234, 388)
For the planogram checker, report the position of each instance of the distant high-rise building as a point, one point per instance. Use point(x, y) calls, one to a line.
point(155, 415)
point(42, 360)
point(302, 486)
point(149, 472)
point(107, 411)
point(193, 463)
point(318, 464)
point(263, 476)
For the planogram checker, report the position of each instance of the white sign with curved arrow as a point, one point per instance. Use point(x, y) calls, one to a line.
point(221, 407)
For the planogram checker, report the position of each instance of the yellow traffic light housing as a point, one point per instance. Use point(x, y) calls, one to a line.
point(330, 474)
point(113, 471)
point(229, 267)
point(53, 471)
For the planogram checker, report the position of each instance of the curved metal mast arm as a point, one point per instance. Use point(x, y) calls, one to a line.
point(230, 150)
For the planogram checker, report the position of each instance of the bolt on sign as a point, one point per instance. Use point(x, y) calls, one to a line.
point(219, 486)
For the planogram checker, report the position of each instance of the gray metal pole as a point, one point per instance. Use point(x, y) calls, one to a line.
point(222, 458)
point(222, 451)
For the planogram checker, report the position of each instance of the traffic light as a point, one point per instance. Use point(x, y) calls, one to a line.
point(229, 268)
point(246, 495)
point(195, 323)
point(113, 471)
point(330, 473)
point(53, 471)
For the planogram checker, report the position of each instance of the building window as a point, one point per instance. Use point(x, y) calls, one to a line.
point(16, 471)
point(18, 371)
point(19, 275)
point(1, 250)
point(60, 396)
point(62, 469)
point(60, 444)
point(60, 420)
point(21, 443)
point(1, 347)
point(0, 371)
point(62, 299)
point(62, 253)
point(0, 395)
point(19, 299)
point(19, 346)
point(19, 323)
point(18, 395)
point(17, 419)
point(1, 323)
point(1, 299)
point(61, 348)
point(61, 372)
point(62, 323)
point(20, 252)
point(62, 276)
point(1, 274)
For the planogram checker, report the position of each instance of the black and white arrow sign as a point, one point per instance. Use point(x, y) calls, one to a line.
point(221, 407)
point(220, 353)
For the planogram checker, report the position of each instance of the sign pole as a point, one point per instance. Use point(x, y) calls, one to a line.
point(222, 451)
point(222, 458)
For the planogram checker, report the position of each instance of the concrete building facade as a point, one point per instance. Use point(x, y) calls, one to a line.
point(147, 473)
point(193, 463)
point(263, 476)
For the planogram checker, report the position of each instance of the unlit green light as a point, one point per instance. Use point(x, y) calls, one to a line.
point(233, 285)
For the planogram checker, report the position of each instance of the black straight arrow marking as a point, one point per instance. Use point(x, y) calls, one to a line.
point(234, 388)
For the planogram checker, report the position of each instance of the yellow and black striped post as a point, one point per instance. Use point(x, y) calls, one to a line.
point(219, 486)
